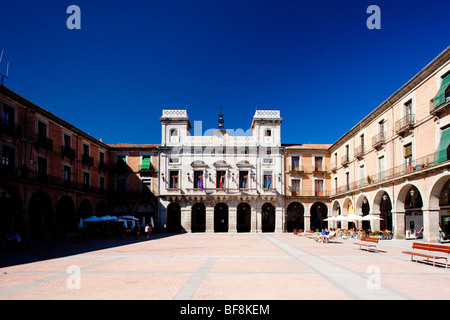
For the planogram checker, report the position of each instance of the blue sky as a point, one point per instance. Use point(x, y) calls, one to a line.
point(316, 61)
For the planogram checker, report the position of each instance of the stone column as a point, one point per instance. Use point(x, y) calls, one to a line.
point(399, 224)
point(209, 219)
point(279, 219)
point(253, 219)
point(431, 225)
point(375, 224)
point(232, 219)
point(307, 222)
point(186, 222)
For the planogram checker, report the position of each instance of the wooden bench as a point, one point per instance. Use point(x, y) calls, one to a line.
point(429, 251)
point(368, 242)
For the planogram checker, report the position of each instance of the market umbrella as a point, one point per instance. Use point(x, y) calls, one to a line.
point(80, 224)
point(92, 219)
point(370, 217)
point(143, 222)
point(129, 218)
point(151, 220)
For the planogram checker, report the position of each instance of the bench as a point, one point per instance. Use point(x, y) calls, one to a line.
point(429, 251)
point(368, 242)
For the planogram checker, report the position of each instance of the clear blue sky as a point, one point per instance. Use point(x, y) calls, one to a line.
point(316, 61)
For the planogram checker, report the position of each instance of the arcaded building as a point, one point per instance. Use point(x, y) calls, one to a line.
point(394, 162)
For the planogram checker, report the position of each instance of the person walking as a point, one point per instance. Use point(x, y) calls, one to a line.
point(147, 230)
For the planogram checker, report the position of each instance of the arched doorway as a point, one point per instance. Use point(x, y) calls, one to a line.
point(11, 214)
point(41, 214)
point(198, 217)
point(101, 209)
point(66, 218)
point(413, 211)
point(268, 218)
point(243, 217)
point(318, 213)
point(146, 213)
point(365, 210)
point(85, 209)
point(336, 211)
point(295, 217)
point(221, 217)
point(173, 218)
point(386, 212)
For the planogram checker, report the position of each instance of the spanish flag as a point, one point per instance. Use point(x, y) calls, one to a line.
point(220, 184)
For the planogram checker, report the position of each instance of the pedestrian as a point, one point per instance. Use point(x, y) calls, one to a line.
point(147, 230)
point(137, 230)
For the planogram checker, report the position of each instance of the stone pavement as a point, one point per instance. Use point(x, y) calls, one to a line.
point(222, 266)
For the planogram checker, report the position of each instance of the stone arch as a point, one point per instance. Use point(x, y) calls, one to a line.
point(295, 213)
point(267, 217)
point(40, 214)
point(221, 217)
point(243, 217)
point(173, 217)
point(198, 217)
point(66, 217)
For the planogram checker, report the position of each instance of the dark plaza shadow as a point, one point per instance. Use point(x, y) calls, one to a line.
point(41, 250)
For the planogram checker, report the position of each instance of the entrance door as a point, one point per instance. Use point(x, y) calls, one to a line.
point(268, 218)
point(198, 217)
point(174, 217)
point(243, 217)
point(221, 218)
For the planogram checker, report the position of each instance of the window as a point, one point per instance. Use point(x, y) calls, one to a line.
point(101, 184)
point(67, 175)
point(146, 186)
point(146, 163)
point(381, 128)
point(295, 163)
point(268, 133)
point(408, 108)
point(7, 116)
point(173, 179)
point(318, 187)
point(243, 179)
point(408, 155)
point(121, 185)
point(347, 181)
point(381, 168)
point(362, 173)
point(42, 131)
point(198, 180)
point(101, 158)
point(173, 135)
point(42, 167)
point(318, 163)
point(220, 179)
point(7, 157)
point(267, 160)
point(86, 180)
point(66, 142)
point(267, 180)
point(295, 187)
point(85, 150)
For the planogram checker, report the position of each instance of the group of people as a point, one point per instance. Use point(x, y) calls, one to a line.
point(137, 231)
point(326, 234)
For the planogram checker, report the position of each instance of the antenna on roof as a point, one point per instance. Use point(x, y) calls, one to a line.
point(4, 76)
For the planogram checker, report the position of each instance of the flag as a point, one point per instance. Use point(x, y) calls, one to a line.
point(270, 181)
point(201, 182)
point(220, 184)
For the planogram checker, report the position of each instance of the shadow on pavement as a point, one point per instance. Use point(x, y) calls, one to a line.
point(58, 248)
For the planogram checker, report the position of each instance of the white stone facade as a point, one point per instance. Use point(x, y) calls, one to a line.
point(221, 182)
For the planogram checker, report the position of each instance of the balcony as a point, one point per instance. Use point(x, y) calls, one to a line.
point(296, 169)
point(68, 152)
point(11, 129)
point(437, 110)
point(44, 143)
point(379, 140)
point(404, 125)
point(87, 160)
point(359, 152)
point(345, 160)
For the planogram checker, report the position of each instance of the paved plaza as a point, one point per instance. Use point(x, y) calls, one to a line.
point(228, 266)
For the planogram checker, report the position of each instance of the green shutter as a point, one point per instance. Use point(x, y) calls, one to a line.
point(146, 163)
point(440, 96)
point(441, 153)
